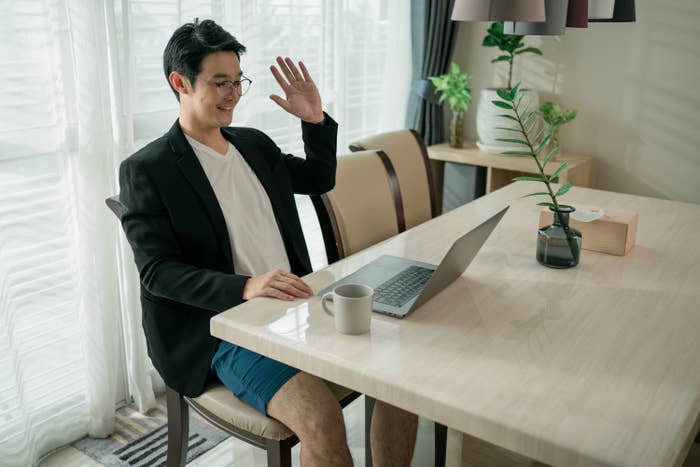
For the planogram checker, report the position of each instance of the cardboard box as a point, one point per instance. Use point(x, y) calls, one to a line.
point(615, 233)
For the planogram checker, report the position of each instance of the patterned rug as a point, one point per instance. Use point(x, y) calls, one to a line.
point(141, 440)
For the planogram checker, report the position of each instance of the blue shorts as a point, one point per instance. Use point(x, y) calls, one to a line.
point(251, 377)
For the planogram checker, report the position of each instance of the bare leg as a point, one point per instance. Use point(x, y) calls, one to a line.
point(393, 435)
point(308, 407)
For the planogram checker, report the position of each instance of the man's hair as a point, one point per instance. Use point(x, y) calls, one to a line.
point(191, 43)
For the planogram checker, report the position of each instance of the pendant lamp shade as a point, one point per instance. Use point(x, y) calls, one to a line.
point(623, 12)
point(498, 10)
point(577, 14)
point(555, 25)
point(600, 9)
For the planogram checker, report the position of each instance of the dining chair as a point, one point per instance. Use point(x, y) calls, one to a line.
point(409, 156)
point(221, 408)
point(364, 208)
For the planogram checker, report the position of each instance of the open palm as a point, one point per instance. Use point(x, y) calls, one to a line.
point(301, 94)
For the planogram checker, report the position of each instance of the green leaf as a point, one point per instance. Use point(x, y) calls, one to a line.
point(549, 205)
point(537, 136)
point(515, 141)
point(508, 116)
point(543, 144)
point(501, 58)
point(533, 50)
point(539, 193)
point(527, 117)
point(503, 94)
point(514, 91)
point(529, 127)
point(503, 105)
point(563, 189)
point(517, 130)
point(517, 153)
point(549, 157)
point(528, 178)
point(555, 174)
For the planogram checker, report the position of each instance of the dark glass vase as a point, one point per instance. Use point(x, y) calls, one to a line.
point(558, 245)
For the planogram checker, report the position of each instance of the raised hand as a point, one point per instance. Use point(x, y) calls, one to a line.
point(301, 95)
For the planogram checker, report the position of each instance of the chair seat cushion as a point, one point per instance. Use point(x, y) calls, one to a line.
point(217, 402)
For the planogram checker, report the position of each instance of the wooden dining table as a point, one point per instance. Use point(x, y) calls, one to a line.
point(597, 365)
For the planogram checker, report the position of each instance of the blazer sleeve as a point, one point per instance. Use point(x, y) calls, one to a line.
point(315, 174)
point(148, 229)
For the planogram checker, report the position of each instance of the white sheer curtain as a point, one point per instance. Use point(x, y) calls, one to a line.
point(59, 309)
point(81, 88)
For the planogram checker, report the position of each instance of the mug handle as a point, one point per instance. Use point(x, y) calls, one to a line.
point(326, 298)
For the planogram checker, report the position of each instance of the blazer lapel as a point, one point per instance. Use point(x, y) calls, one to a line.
point(193, 172)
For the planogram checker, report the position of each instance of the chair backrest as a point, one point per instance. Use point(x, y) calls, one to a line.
point(115, 206)
point(409, 156)
point(363, 208)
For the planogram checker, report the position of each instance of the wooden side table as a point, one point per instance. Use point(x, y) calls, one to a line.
point(501, 169)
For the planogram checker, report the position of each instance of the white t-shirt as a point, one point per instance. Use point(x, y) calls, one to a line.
point(256, 242)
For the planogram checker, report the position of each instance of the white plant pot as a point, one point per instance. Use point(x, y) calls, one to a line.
point(601, 9)
point(488, 120)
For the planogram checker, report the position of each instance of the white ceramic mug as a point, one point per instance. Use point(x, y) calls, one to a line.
point(352, 307)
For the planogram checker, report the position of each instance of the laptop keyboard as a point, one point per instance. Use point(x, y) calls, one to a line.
point(401, 288)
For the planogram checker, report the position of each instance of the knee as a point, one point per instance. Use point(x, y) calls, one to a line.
point(325, 424)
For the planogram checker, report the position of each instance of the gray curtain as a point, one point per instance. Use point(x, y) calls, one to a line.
point(433, 36)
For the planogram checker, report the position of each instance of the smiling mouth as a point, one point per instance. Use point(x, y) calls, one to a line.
point(224, 108)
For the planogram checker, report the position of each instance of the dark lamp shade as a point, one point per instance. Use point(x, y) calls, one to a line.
point(498, 10)
point(577, 14)
point(623, 12)
point(555, 25)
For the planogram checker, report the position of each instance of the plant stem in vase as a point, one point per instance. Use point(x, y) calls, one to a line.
point(527, 120)
point(457, 129)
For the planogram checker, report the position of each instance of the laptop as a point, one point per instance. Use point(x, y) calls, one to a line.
point(402, 285)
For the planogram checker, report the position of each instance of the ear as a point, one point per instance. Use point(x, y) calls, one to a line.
point(179, 82)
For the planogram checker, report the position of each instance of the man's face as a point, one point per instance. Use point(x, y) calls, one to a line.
point(211, 101)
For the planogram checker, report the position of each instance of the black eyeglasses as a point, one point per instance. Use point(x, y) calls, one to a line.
point(226, 88)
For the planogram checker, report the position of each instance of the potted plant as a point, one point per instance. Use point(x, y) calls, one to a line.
point(553, 118)
point(486, 117)
point(453, 88)
point(558, 245)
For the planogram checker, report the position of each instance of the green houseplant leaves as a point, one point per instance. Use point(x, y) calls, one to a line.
point(512, 45)
point(533, 147)
point(453, 87)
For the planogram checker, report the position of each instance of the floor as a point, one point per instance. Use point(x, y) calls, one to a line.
point(233, 452)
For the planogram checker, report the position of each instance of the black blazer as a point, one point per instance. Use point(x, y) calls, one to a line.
point(181, 245)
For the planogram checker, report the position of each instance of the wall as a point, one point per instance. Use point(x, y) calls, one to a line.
point(636, 87)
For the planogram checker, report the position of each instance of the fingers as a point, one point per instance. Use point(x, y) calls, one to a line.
point(281, 102)
point(276, 293)
point(296, 282)
point(293, 69)
point(283, 66)
point(278, 284)
point(305, 72)
point(290, 289)
point(290, 71)
point(278, 77)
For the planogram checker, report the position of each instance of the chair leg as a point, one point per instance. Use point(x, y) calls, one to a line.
point(279, 453)
point(369, 409)
point(178, 428)
point(440, 445)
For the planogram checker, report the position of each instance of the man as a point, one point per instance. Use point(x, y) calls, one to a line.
point(210, 215)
